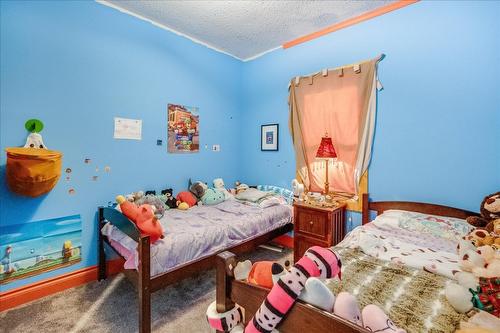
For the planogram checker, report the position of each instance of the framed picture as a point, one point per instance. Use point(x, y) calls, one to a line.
point(269, 135)
point(183, 129)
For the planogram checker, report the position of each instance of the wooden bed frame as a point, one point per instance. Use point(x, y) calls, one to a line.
point(142, 279)
point(304, 317)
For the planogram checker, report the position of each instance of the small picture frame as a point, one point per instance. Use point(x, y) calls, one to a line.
point(269, 137)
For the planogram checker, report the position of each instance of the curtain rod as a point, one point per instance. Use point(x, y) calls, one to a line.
point(379, 58)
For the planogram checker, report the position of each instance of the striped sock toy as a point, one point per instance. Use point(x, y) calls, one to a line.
point(316, 262)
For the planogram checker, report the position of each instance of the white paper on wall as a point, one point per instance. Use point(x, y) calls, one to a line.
point(128, 129)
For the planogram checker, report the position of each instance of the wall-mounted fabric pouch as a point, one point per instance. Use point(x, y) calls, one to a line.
point(32, 172)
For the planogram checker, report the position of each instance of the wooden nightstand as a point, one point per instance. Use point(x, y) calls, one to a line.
point(317, 226)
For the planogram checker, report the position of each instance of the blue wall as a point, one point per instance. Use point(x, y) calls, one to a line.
point(438, 117)
point(76, 65)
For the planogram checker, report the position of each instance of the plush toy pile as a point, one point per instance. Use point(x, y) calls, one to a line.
point(302, 281)
point(478, 283)
point(143, 217)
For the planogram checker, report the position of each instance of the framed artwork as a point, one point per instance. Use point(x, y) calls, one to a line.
point(269, 135)
point(183, 129)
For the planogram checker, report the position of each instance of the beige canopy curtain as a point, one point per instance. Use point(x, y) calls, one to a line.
point(342, 103)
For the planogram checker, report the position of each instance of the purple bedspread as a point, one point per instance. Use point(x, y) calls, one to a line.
point(201, 231)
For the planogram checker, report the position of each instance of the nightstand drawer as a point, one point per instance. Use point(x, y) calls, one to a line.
point(313, 223)
point(302, 244)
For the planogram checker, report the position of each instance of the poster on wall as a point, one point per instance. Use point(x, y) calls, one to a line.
point(183, 129)
point(269, 137)
point(29, 249)
point(129, 129)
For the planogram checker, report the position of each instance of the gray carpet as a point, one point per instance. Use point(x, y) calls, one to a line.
point(111, 306)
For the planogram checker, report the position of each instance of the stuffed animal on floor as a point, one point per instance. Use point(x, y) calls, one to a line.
point(316, 262)
point(219, 185)
point(463, 246)
point(470, 260)
point(487, 297)
point(143, 217)
point(490, 211)
point(169, 199)
point(212, 197)
point(266, 273)
point(186, 198)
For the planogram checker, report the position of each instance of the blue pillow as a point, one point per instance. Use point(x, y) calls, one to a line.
point(212, 197)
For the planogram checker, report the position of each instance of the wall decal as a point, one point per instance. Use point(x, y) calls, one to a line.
point(183, 129)
point(130, 129)
point(29, 249)
point(71, 191)
point(107, 168)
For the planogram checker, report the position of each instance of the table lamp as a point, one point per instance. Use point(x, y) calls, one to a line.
point(326, 151)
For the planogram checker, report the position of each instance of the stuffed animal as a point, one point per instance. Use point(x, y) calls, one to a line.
point(154, 201)
point(459, 294)
point(480, 237)
point(197, 188)
point(491, 266)
point(317, 293)
point(375, 320)
point(143, 217)
point(266, 273)
point(150, 192)
point(471, 260)
point(35, 140)
point(490, 211)
point(347, 307)
point(316, 262)
point(182, 205)
point(133, 197)
point(212, 197)
point(186, 197)
point(170, 201)
point(463, 246)
point(241, 187)
point(219, 185)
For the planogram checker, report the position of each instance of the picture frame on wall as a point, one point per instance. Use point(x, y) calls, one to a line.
point(269, 137)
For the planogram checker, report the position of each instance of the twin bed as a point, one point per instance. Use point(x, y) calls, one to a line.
point(398, 262)
point(192, 240)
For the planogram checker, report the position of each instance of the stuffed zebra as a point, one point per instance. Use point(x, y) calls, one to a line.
point(316, 262)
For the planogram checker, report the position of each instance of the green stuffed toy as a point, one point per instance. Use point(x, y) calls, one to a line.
point(212, 197)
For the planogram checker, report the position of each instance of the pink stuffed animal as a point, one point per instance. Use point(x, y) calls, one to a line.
point(375, 320)
point(347, 307)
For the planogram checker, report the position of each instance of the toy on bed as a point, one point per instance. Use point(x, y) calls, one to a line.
point(219, 185)
point(198, 188)
point(168, 198)
point(240, 187)
point(186, 200)
point(480, 265)
point(212, 197)
point(143, 217)
point(488, 224)
point(266, 273)
point(490, 211)
point(139, 198)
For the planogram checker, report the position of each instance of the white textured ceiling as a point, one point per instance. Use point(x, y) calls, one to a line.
point(244, 29)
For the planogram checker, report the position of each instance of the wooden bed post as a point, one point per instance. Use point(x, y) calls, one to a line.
point(102, 273)
point(143, 285)
point(365, 209)
point(224, 265)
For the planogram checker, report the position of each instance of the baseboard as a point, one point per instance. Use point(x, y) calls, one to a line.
point(34, 291)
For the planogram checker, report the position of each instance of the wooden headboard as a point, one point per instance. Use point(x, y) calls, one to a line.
point(420, 207)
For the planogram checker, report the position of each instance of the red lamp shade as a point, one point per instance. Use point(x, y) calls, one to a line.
point(326, 149)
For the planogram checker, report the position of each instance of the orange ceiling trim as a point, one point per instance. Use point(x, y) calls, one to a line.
point(347, 23)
